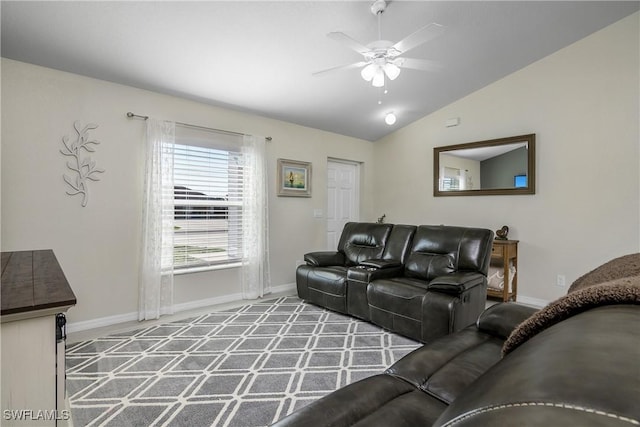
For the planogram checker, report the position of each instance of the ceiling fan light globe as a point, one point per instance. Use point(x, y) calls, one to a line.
point(378, 78)
point(391, 70)
point(390, 119)
point(368, 72)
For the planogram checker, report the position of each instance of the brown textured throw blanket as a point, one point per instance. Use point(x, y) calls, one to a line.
point(621, 278)
point(624, 266)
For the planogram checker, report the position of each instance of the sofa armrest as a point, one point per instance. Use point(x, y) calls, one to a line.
point(323, 259)
point(381, 263)
point(456, 283)
point(502, 318)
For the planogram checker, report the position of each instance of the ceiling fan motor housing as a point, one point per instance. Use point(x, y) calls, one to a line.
point(381, 49)
point(378, 6)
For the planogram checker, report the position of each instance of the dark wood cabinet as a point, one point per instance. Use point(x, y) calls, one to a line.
point(33, 291)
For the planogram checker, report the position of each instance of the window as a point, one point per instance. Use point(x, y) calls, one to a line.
point(451, 180)
point(520, 181)
point(207, 199)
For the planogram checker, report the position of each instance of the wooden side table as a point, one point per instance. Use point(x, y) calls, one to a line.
point(506, 253)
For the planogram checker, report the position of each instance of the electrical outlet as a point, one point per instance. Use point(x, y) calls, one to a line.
point(560, 280)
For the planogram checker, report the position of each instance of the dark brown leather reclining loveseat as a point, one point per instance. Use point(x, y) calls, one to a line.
point(420, 281)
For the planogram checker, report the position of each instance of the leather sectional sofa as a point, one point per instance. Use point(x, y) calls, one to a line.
point(573, 363)
point(419, 281)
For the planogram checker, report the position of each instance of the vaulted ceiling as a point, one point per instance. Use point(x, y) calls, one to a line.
point(259, 56)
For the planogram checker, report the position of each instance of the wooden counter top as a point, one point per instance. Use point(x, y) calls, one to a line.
point(33, 281)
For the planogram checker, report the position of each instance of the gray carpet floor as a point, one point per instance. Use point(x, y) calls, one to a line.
point(242, 368)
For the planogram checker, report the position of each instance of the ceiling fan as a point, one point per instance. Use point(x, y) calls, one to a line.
point(383, 57)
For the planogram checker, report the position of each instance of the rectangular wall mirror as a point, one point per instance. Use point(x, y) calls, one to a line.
point(504, 166)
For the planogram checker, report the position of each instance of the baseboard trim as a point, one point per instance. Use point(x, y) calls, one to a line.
point(287, 287)
point(102, 322)
point(534, 302)
point(193, 305)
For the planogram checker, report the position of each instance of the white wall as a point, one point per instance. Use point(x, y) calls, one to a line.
point(582, 103)
point(98, 245)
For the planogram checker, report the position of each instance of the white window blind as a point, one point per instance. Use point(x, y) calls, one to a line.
point(451, 179)
point(208, 184)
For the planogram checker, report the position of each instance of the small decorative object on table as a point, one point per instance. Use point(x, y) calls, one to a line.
point(502, 233)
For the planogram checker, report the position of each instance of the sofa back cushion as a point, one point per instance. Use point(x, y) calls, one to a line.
point(399, 242)
point(362, 240)
point(438, 250)
point(427, 266)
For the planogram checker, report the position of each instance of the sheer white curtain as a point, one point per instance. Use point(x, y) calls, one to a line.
point(256, 280)
point(156, 264)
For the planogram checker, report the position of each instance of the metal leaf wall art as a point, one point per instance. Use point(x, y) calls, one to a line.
point(81, 164)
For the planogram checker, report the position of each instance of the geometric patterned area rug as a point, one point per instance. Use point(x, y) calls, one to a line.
point(246, 367)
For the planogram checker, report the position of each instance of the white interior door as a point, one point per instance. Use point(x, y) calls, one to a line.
point(343, 204)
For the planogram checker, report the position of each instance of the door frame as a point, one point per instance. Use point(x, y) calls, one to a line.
point(357, 185)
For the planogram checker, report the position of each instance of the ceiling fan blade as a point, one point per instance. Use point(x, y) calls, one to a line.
point(415, 39)
point(418, 64)
point(349, 42)
point(340, 67)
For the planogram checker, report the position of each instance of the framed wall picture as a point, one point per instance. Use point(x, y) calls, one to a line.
point(294, 178)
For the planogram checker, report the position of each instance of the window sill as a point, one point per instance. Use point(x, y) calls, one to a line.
point(181, 271)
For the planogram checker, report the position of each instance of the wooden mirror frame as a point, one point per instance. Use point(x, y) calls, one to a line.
point(530, 139)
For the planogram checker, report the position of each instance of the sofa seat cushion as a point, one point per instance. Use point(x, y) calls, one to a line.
point(399, 296)
point(446, 367)
point(378, 401)
point(397, 304)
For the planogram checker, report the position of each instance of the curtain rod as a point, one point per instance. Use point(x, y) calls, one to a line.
point(131, 116)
